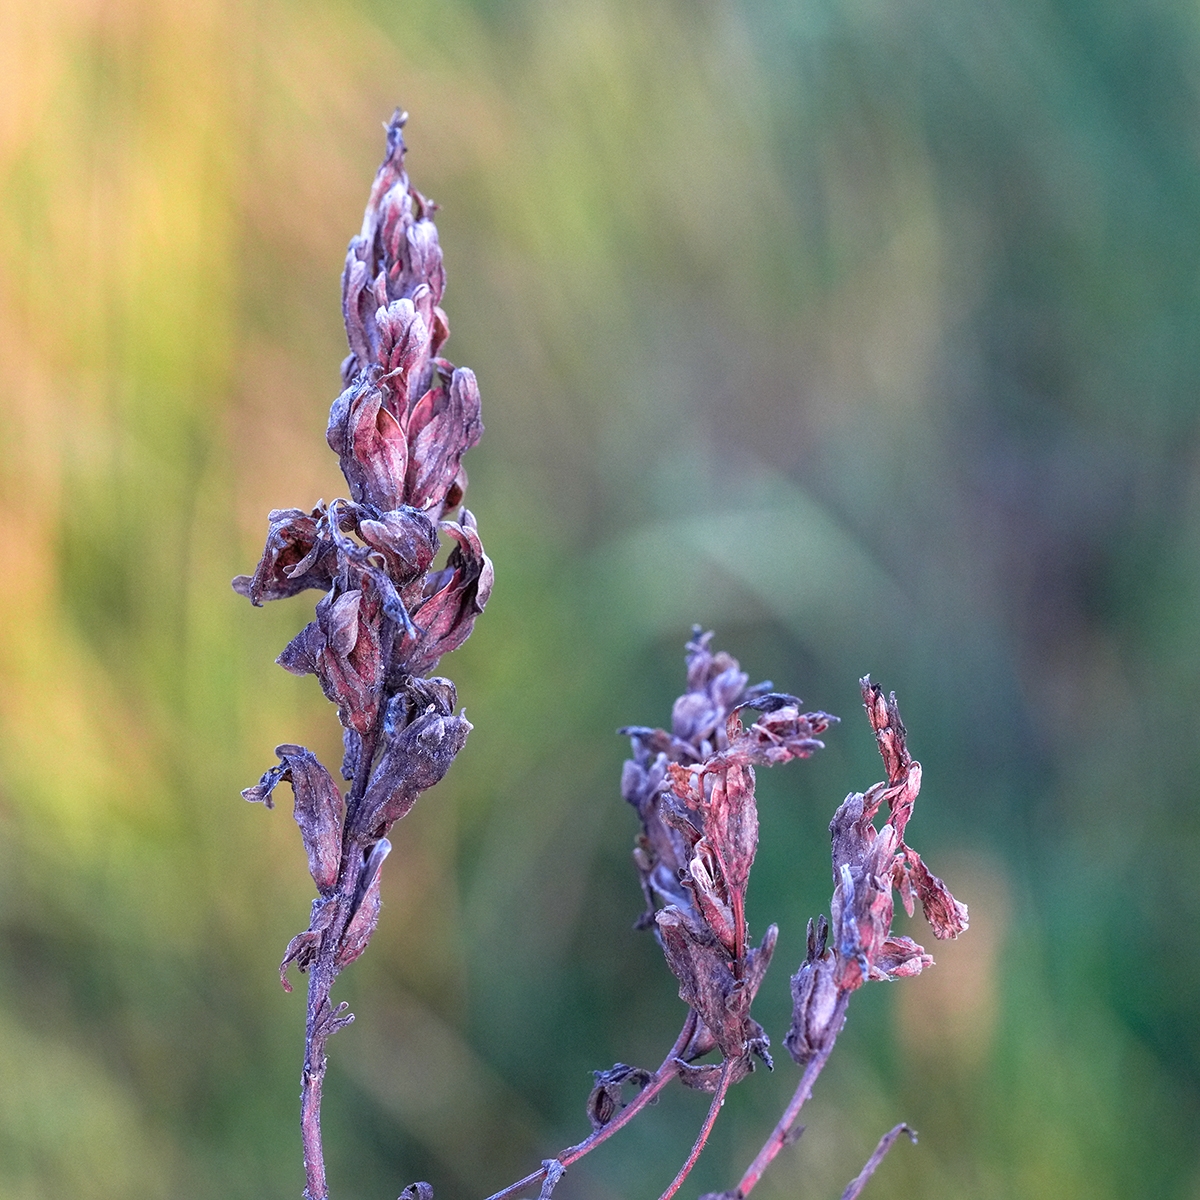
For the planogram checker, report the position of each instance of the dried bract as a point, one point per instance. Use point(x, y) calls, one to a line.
point(606, 1099)
point(814, 999)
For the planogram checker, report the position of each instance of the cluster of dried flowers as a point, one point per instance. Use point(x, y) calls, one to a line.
point(400, 429)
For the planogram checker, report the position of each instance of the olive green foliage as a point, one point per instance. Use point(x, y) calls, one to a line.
point(862, 333)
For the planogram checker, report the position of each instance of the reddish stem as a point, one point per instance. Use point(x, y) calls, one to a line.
point(310, 1115)
point(665, 1073)
point(781, 1135)
point(714, 1110)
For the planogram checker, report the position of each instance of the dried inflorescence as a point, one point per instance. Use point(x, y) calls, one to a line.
point(400, 428)
point(693, 789)
point(868, 863)
point(404, 420)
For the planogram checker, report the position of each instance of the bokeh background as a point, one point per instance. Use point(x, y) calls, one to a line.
point(863, 333)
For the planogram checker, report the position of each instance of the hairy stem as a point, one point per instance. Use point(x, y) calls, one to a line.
point(710, 1120)
point(781, 1135)
point(665, 1073)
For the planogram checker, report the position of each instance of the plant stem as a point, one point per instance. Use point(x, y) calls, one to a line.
point(781, 1135)
point(321, 1019)
point(665, 1073)
point(310, 1099)
point(714, 1110)
point(886, 1142)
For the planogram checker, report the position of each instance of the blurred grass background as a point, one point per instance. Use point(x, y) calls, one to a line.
point(863, 333)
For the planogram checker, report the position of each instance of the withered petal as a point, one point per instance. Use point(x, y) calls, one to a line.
point(412, 761)
point(358, 932)
point(301, 655)
point(900, 957)
point(292, 560)
point(946, 916)
point(446, 618)
point(443, 426)
point(318, 812)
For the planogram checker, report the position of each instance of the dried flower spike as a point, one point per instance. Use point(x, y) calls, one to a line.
point(868, 863)
point(404, 420)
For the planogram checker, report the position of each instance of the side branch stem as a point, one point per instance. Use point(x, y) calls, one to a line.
point(886, 1142)
point(665, 1073)
point(782, 1135)
point(714, 1110)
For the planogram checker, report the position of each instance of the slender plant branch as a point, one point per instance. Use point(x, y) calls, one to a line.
point(714, 1110)
point(667, 1071)
point(781, 1135)
point(886, 1142)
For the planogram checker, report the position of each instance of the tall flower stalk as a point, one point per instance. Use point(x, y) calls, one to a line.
point(400, 429)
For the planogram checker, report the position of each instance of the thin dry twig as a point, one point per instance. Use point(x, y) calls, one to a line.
point(784, 1132)
point(566, 1158)
point(710, 1119)
point(886, 1142)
